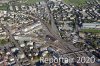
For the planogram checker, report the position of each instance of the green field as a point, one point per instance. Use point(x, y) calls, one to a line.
point(4, 7)
point(31, 1)
point(74, 2)
point(90, 30)
point(77, 2)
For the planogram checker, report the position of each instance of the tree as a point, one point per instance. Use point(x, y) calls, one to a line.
point(80, 45)
point(98, 11)
point(3, 41)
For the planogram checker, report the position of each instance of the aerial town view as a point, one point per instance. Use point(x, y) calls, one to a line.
point(49, 32)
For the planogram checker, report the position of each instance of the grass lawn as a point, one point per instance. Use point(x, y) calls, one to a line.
point(77, 2)
point(90, 30)
point(3, 41)
point(31, 1)
point(4, 7)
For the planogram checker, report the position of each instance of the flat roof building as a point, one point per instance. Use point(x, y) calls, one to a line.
point(91, 25)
